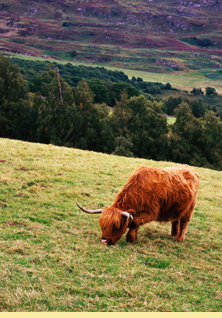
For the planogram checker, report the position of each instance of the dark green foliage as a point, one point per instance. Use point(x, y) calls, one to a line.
point(13, 99)
point(70, 73)
point(140, 122)
point(203, 42)
point(198, 108)
point(197, 91)
point(149, 87)
point(73, 53)
point(123, 147)
point(99, 90)
point(168, 86)
point(56, 113)
point(40, 83)
point(198, 42)
point(74, 74)
point(78, 116)
point(194, 141)
point(185, 138)
point(116, 90)
point(210, 91)
point(88, 132)
point(211, 140)
point(172, 103)
point(68, 117)
point(147, 127)
point(116, 125)
point(67, 24)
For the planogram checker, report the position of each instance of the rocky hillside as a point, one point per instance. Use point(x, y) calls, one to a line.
point(105, 31)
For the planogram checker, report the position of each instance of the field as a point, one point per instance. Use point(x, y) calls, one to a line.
point(51, 256)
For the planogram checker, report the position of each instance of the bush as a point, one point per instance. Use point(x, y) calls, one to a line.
point(197, 91)
point(210, 91)
point(168, 86)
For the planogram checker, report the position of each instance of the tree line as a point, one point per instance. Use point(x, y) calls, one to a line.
point(71, 116)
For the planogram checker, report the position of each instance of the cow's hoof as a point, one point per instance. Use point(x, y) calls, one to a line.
point(180, 239)
point(131, 239)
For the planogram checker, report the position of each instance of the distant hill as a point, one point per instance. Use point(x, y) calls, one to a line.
point(159, 36)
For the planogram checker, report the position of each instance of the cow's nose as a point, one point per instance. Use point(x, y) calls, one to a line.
point(104, 241)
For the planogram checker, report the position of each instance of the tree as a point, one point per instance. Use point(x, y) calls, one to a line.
point(13, 99)
point(123, 147)
point(57, 113)
point(168, 86)
point(40, 83)
point(116, 125)
point(73, 53)
point(185, 139)
point(99, 90)
point(198, 108)
point(196, 91)
point(210, 91)
point(147, 127)
point(90, 117)
point(211, 140)
point(172, 103)
point(116, 90)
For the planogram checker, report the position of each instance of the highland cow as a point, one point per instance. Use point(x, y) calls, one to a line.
point(150, 194)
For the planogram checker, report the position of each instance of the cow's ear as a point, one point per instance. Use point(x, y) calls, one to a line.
point(132, 212)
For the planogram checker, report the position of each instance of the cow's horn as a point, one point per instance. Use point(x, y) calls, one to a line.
point(128, 215)
point(90, 211)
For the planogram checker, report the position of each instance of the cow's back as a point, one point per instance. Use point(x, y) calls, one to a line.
point(159, 190)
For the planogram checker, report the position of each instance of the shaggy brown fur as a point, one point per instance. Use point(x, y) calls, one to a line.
point(152, 194)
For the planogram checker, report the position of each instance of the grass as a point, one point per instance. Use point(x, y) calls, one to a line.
point(171, 120)
point(51, 256)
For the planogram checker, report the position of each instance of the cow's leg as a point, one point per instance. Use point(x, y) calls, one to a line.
point(183, 225)
point(184, 222)
point(132, 233)
point(138, 220)
point(174, 228)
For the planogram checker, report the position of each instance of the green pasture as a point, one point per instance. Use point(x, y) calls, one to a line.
point(51, 255)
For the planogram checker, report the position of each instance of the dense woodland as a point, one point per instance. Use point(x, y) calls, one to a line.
point(104, 111)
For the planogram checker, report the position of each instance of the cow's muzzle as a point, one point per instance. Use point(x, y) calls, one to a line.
point(106, 242)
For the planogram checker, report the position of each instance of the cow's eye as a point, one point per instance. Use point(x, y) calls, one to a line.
point(115, 227)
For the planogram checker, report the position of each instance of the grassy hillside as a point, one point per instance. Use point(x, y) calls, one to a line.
point(156, 36)
point(51, 256)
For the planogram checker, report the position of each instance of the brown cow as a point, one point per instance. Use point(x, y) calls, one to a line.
point(151, 194)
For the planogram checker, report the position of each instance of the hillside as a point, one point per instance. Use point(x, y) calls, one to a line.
point(164, 36)
point(51, 256)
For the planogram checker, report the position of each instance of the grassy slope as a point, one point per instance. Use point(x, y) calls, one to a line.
point(51, 256)
point(134, 36)
point(137, 35)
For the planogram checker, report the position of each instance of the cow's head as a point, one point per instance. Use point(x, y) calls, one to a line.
point(113, 223)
